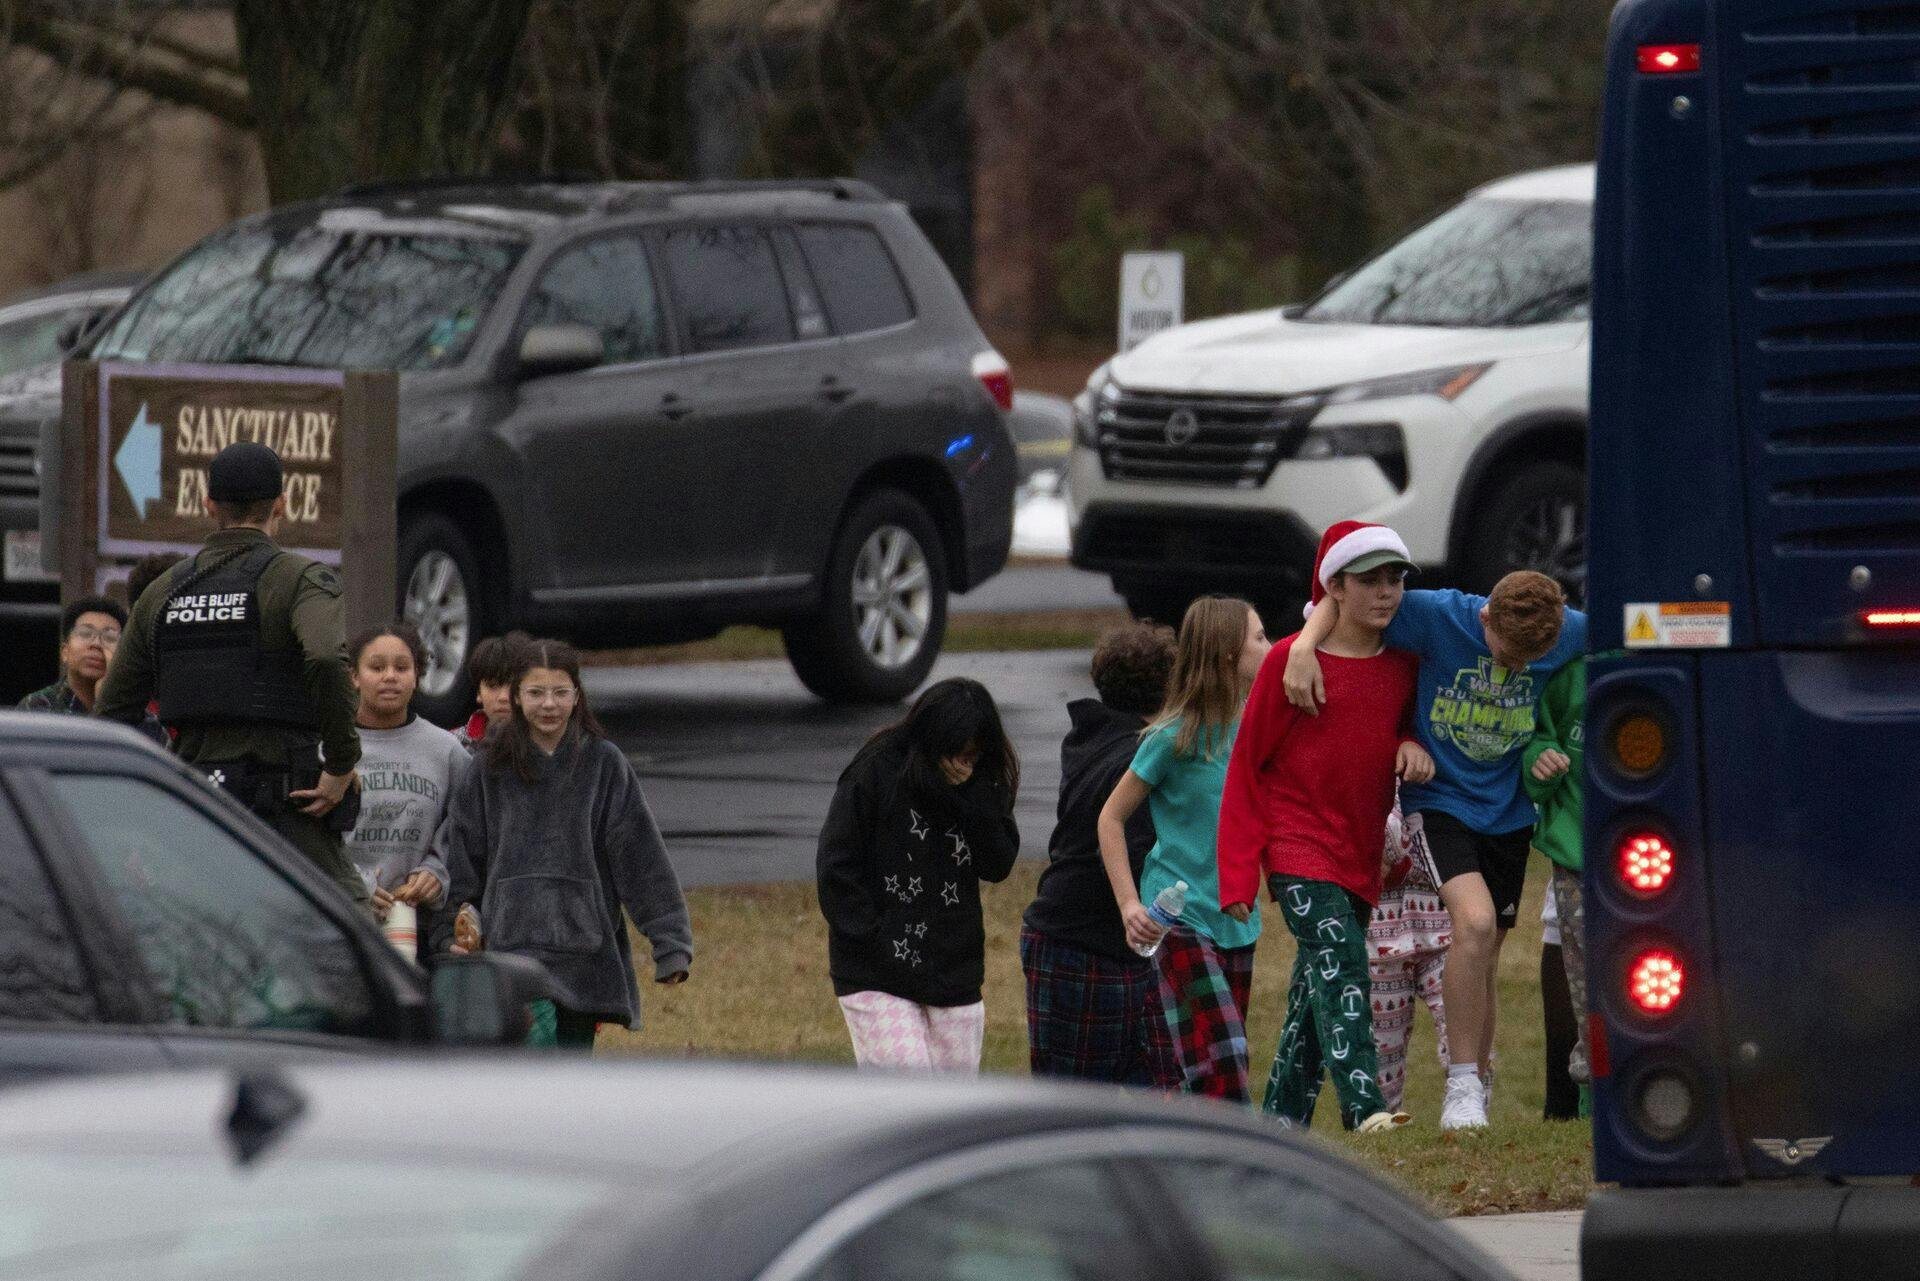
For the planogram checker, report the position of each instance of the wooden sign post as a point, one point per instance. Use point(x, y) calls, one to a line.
point(136, 440)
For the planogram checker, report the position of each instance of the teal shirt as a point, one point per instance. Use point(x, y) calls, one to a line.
point(1185, 803)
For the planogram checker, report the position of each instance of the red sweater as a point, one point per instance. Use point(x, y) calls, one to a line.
point(1309, 796)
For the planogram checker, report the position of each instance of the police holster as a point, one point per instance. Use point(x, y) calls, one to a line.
point(267, 787)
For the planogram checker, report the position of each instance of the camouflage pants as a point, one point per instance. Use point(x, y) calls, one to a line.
point(1329, 1024)
point(1573, 954)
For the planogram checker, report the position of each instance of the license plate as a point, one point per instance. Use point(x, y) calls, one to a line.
point(23, 558)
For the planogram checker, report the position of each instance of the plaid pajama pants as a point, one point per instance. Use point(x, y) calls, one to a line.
point(1093, 1017)
point(1204, 989)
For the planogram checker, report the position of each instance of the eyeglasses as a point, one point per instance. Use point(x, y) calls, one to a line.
point(562, 694)
point(87, 632)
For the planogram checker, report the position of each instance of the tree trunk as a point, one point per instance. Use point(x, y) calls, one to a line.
point(354, 92)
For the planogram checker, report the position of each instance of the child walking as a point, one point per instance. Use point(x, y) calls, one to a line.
point(1205, 963)
point(549, 837)
point(1306, 801)
point(491, 667)
point(1406, 958)
point(1484, 661)
point(1093, 1003)
point(922, 815)
point(1552, 777)
point(409, 769)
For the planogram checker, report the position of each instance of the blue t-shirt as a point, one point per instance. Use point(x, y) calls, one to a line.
point(1473, 717)
point(1185, 803)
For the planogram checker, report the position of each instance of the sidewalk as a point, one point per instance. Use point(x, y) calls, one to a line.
point(1534, 1247)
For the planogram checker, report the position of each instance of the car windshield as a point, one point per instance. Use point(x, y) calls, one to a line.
point(27, 342)
point(82, 1216)
point(1485, 263)
point(331, 298)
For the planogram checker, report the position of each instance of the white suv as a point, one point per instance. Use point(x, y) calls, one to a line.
point(1440, 388)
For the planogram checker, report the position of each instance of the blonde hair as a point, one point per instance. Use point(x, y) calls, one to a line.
point(1203, 694)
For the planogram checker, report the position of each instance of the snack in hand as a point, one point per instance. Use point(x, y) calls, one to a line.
point(466, 928)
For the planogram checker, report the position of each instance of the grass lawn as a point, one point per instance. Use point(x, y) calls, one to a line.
point(760, 991)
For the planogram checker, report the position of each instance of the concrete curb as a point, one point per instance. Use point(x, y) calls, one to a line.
point(1534, 1247)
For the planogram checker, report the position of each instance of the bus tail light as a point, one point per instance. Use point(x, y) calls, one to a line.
point(1645, 863)
point(1637, 742)
point(1656, 981)
point(1668, 59)
point(1664, 1104)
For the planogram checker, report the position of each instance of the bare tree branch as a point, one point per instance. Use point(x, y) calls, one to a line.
point(132, 59)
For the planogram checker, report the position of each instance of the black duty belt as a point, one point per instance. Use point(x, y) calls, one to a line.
point(266, 787)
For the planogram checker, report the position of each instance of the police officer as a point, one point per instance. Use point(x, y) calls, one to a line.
point(244, 645)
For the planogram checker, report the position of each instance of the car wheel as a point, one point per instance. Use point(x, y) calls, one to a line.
point(440, 595)
point(1537, 519)
point(1156, 604)
point(884, 615)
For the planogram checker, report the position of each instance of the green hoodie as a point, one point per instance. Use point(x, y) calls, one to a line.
point(1561, 725)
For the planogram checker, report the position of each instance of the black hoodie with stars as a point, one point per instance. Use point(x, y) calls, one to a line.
point(899, 881)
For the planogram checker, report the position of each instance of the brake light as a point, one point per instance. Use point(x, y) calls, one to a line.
point(1892, 618)
point(1668, 59)
point(991, 368)
point(1646, 863)
point(1656, 981)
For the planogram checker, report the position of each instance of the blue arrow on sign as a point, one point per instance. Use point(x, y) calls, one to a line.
point(138, 461)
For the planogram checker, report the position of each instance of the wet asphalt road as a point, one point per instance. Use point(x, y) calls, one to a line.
point(739, 761)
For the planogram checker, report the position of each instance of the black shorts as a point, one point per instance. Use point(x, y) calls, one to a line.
point(1501, 860)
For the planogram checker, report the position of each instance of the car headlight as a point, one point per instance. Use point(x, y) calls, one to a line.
point(1385, 443)
point(1100, 393)
point(1447, 383)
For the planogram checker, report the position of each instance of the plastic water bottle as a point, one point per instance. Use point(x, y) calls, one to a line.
point(1166, 909)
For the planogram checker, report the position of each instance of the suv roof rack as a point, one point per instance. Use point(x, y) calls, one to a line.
point(434, 182)
point(852, 189)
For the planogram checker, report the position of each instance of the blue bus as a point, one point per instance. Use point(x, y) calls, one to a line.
point(1753, 717)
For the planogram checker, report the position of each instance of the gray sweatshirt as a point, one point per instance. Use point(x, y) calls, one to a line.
point(549, 865)
point(407, 777)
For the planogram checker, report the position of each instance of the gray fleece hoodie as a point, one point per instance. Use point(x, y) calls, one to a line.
point(549, 865)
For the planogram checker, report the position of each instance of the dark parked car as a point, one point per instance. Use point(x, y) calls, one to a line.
point(567, 1171)
point(37, 326)
point(638, 413)
point(147, 921)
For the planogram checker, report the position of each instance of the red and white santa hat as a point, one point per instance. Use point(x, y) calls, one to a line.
point(1354, 547)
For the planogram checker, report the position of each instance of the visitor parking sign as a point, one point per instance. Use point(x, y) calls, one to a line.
point(1152, 295)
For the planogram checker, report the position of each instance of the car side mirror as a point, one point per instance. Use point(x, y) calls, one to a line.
point(482, 999)
point(73, 333)
point(560, 349)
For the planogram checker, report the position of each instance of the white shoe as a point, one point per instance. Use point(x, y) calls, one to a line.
point(1465, 1107)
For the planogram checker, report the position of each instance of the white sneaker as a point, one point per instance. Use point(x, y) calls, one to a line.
point(1465, 1107)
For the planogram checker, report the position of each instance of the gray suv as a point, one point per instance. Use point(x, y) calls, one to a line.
point(636, 413)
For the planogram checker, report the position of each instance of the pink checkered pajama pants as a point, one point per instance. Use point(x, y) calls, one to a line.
point(894, 1033)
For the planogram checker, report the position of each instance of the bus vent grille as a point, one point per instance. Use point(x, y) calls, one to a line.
point(1823, 202)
